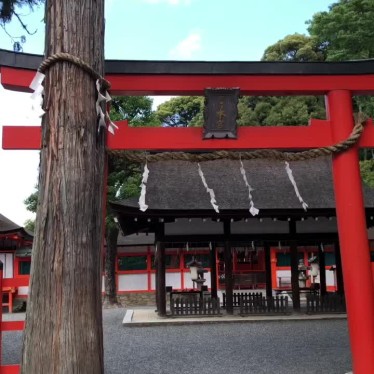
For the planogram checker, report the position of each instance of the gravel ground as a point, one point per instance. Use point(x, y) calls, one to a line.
point(302, 347)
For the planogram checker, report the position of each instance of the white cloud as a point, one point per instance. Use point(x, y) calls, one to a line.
point(169, 2)
point(187, 47)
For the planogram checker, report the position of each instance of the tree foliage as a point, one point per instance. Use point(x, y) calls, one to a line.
point(136, 109)
point(367, 172)
point(30, 225)
point(31, 201)
point(9, 9)
point(181, 111)
point(346, 31)
point(279, 111)
point(295, 47)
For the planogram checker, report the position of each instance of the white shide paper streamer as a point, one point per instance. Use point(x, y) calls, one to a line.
point(37, 95)
point(209, 190)
point(142, 205)
point(254, 211)
point(103, 118)
point(289, 173)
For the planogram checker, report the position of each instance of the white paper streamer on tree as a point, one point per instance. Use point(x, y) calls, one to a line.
point(37, 95)
point(209, 190)
point(289, 173)
point(254, 211)
point(142, 205)
point(103, 118)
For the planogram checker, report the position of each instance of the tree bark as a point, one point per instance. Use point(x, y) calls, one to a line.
point(64, 317)
point(110, 297)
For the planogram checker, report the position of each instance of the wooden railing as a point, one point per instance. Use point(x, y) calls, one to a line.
point(256, 303)
point(329, 303)
point(189, 306)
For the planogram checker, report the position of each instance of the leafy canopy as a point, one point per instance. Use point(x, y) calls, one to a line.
point(180, 111)
point(346, 31)
point(295, 47)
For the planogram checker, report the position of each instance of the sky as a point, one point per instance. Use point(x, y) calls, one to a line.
point(205, 30)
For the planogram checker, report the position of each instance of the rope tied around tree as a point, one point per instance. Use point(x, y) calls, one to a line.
point(102, 87)
point(63, 56)
point(274, 154)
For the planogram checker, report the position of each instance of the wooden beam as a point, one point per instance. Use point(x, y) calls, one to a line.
point(295, 277)
point(317, 134)
point(213, 271)
point(161, 284)
point(168, 84)
point(269, 290)
point(229, 279)
point(158, 81)
point(338, 270)
point(322, 270)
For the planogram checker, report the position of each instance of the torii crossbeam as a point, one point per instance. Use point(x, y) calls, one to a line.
point(338, 81)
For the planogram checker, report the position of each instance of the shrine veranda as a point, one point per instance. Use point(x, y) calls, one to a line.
point(338, 81)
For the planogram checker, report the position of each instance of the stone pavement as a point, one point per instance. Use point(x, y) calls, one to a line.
point(293, 345)
point(147, 316)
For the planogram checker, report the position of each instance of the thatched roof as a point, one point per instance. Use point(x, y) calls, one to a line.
point(7, 227)
point(176, 185)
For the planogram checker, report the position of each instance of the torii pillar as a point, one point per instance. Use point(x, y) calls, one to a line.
point(354, 244)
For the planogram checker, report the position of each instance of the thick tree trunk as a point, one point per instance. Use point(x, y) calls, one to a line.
point(110, 297)
point(64, 318)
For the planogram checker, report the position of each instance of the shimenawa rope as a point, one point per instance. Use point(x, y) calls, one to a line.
point(63, 56)
point(249, 155)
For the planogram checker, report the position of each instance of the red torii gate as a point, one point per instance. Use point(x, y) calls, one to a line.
point(337, 81)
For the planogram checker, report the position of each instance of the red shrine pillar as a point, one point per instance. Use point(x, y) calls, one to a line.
point(354, 246)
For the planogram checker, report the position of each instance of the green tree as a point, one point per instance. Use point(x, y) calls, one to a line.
point(367, 172)
point(346, 30)
point(181, 111)
point(31, 201)
point(124, 180)
point(30, 225)
point(295, 47)
point(8, 8)
point(136, 109)
point(285, 110)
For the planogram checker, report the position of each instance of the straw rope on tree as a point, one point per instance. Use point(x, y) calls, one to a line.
point(67, 57)
point(360, 119)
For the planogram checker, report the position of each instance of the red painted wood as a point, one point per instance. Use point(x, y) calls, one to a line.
point(353, 237)
point(367, 138)
point(318, 134)
point(12, 325)
point(158, 84)
point(249, 84)
point(1, 316)
point(16, 282)
point(10, 369)
point(22, 137)
point(190, 138)
point(16, 79)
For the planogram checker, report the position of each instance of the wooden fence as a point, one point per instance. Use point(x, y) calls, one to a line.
point(256, 303)
point(190, 306)
point(329, 303)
